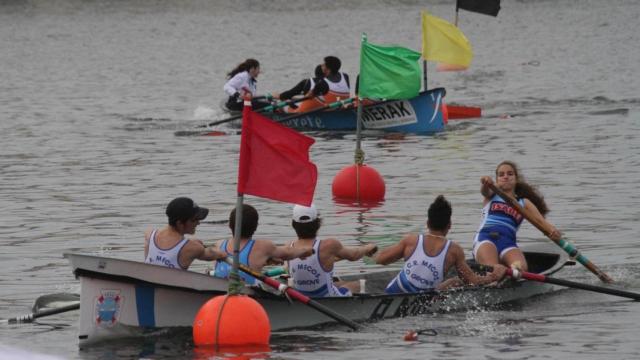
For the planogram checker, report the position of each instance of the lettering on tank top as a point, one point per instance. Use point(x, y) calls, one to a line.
point(500, 207)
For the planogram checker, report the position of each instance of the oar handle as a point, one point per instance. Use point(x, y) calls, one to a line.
point(565, 245)
point(572, 284)
point(296, 295)
point(30, 317)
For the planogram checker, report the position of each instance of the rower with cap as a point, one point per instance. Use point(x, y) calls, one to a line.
point(313, 276)
point(254, 253)
point(169, 247)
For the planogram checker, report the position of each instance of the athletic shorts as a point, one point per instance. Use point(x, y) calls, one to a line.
point(503, 239)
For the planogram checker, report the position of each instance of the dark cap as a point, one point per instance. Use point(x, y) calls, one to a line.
point(183, 208)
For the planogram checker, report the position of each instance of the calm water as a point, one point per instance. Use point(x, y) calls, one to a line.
point(91, 94)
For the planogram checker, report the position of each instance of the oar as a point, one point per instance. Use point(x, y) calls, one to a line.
point(332, 106)
point(38, 314)
point(269, 108)
point(572, 284)
point(565, 245)
point(297, 295)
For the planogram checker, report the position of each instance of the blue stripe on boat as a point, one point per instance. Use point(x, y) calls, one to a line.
point(145, 304)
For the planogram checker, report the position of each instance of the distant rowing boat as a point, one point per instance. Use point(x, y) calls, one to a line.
point(421, 114)
point(122, 298)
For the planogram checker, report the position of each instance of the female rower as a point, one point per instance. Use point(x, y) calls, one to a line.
point(495, 241)
point(242, 81)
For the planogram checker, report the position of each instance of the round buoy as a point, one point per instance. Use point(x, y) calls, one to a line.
point(371, 185)
point(231, 320)
point(445, 112)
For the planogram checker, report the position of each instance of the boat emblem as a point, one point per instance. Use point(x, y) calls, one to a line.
point(107, 307)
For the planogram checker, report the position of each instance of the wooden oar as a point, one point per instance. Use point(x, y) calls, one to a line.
point(572, 284)
point(268, 108)
point(565, 245)
point(296, 295)
point(30, 317)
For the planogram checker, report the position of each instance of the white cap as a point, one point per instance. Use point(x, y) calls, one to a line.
point(304, 214)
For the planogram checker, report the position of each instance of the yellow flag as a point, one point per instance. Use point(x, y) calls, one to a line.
point(443, 42)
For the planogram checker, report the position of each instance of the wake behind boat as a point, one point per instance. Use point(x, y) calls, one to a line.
point(122, 298)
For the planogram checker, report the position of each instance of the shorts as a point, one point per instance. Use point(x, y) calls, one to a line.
point(503, 239)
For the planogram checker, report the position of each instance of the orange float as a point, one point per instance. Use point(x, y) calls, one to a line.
point(231, 320)
point(358, 182)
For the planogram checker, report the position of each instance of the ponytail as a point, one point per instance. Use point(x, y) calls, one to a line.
point(244, 66)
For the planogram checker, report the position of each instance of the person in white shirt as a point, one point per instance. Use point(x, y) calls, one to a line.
point(169, 247)
point(241, 81)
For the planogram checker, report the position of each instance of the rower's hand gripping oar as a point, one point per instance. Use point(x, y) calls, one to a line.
point(296, 295)
point(268, 108)
point(565, 245)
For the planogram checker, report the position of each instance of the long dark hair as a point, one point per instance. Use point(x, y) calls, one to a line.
point(244, 66)
point(525, 190)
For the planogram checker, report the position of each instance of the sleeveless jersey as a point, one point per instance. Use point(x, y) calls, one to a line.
point(420, 272)
point(310, 278)
point(222, 269)
point(497, 213)
point(337, 90)
point(164, 257)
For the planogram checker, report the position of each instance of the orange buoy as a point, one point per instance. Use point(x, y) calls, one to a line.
point(231, 320)
point(359, 182)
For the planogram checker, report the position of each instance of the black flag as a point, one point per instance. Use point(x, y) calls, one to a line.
point(487, 7)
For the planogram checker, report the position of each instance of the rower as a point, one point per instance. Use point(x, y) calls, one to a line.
point(254, 253)
point(338, 82)
point(313, 276)
point(242, 81)
point(313, 88)
point(429, 257)
point(169, 247)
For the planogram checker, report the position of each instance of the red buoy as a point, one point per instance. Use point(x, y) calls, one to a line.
point(231, 320)
point(358, 182)
point(445, 112)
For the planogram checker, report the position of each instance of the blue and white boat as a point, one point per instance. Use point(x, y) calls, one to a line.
point(421, 114)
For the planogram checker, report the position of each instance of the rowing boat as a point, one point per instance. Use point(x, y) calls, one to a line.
point(421, 114)
point(122, 298)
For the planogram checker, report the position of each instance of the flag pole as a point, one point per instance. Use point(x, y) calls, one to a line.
point(234, 277)
point(359, 155)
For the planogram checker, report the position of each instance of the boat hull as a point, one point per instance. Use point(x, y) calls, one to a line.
point(115, 303)
point(421, 114)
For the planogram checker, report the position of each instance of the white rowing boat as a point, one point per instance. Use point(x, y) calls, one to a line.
point(122, 298)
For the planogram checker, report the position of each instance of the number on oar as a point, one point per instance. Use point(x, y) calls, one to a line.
point(296, 295)
point(30, 317)
point(565, 245)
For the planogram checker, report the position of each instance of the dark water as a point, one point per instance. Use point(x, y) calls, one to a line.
point(91, 93)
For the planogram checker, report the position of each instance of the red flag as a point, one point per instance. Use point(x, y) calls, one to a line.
point(274, 161)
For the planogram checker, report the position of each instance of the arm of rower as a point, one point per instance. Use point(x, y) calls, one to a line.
point(353, 253)
point(551, 230)
point(484, 188)
point(233, 85)
point(147, 236)
point(395, 252)
point(466, 274)
point(289, 252)
point(301, 88)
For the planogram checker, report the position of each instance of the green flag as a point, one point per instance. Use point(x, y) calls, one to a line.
point(388, 72)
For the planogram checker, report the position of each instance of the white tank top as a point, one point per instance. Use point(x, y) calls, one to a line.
point(310, 278)
point(340, 86)
point(421, 271)
point(164, 257)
